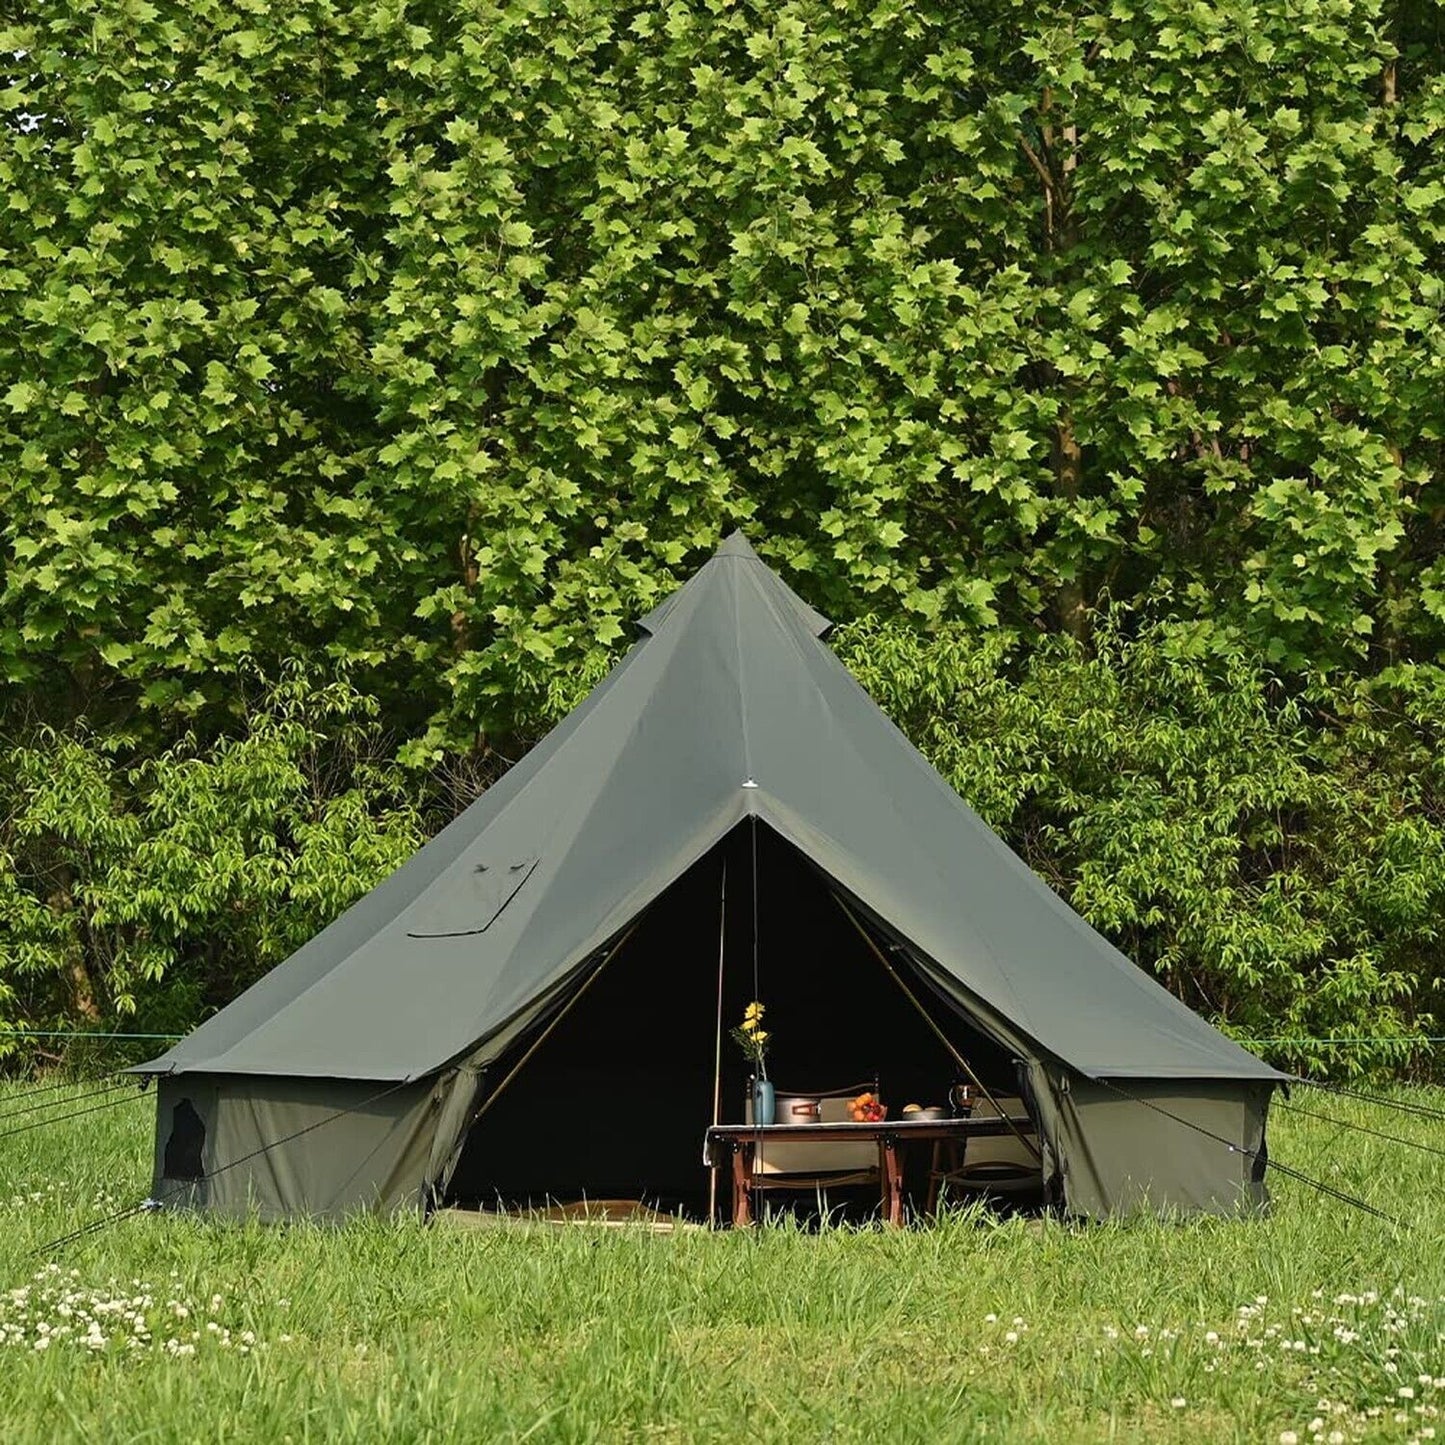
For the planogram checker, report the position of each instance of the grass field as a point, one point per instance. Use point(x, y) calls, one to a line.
point(1319, 1321)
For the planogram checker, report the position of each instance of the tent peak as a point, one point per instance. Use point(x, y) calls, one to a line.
point(713, 580)
point(736, 544)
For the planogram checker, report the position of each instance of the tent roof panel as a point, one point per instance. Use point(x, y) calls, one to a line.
point(729, 706)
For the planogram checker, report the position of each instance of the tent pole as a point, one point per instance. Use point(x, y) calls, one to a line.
point(547, 1032)
point(717, 1042)
point(943, 1038)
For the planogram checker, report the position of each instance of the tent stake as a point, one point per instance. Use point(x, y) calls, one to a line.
point(942, 1037)
point(717, 1043)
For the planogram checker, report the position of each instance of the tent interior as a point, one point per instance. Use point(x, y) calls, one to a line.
point(614, 1102)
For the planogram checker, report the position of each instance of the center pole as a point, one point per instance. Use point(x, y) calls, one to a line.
point(717, 1041)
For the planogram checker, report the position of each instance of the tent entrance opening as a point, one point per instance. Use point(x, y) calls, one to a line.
point(615, 1100)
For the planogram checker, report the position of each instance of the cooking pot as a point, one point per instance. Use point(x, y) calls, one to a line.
point(798, 1109)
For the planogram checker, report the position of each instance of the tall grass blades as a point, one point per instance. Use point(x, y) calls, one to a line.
point(1316, 1323)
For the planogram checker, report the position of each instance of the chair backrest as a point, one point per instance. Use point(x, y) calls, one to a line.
point(1003, 1148)
point(815, 1159)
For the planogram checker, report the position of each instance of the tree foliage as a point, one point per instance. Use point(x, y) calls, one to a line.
point(440, 338)
point(432, 340)
point(146, 889)
point(1278, 862)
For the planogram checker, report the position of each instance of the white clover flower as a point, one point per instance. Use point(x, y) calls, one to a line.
point(990, 1319)
point(1288, 1437)
point(1179, 1402)
point(1211, 1337)
point(1011, 1338)
point(1405, 1392)
point(1141, 1332)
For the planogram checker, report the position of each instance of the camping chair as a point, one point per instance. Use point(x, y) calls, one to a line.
point(817, 1165)
point(1002, 1166)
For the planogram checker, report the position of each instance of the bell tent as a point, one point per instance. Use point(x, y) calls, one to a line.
point(533, 1006)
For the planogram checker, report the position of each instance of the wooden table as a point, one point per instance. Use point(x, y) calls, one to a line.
point(740, 1143)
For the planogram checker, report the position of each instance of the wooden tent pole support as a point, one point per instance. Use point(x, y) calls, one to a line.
point(717, 1042)
point(562, 1014)
point(942, 1037)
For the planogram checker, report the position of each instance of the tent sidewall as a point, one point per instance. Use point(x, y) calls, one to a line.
point(325, 1148)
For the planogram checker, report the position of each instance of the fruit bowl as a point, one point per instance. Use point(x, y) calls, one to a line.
point(867, 1109)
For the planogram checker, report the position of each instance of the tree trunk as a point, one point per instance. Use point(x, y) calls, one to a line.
point(467, 557)
point(82, 986)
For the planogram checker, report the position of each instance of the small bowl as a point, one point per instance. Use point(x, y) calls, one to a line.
point(933, 1111)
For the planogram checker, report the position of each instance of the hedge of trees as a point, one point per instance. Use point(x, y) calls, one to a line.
point(365, 369)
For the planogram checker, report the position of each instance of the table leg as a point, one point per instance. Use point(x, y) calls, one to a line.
point(742, 1185)
point(893, 1180)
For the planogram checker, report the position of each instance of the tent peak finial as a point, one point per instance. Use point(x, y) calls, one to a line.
point(736, 544)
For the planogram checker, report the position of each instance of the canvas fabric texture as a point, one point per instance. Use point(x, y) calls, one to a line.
point(731, 706)
point(358, 1152)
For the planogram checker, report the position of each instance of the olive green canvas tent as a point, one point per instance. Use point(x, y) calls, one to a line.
point(530, 1006)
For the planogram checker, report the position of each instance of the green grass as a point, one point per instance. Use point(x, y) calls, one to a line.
point(967, 1331)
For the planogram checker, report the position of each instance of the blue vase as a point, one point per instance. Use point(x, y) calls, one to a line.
point(765, 1106)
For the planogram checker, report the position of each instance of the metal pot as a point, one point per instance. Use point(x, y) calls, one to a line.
point(798, 1109)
